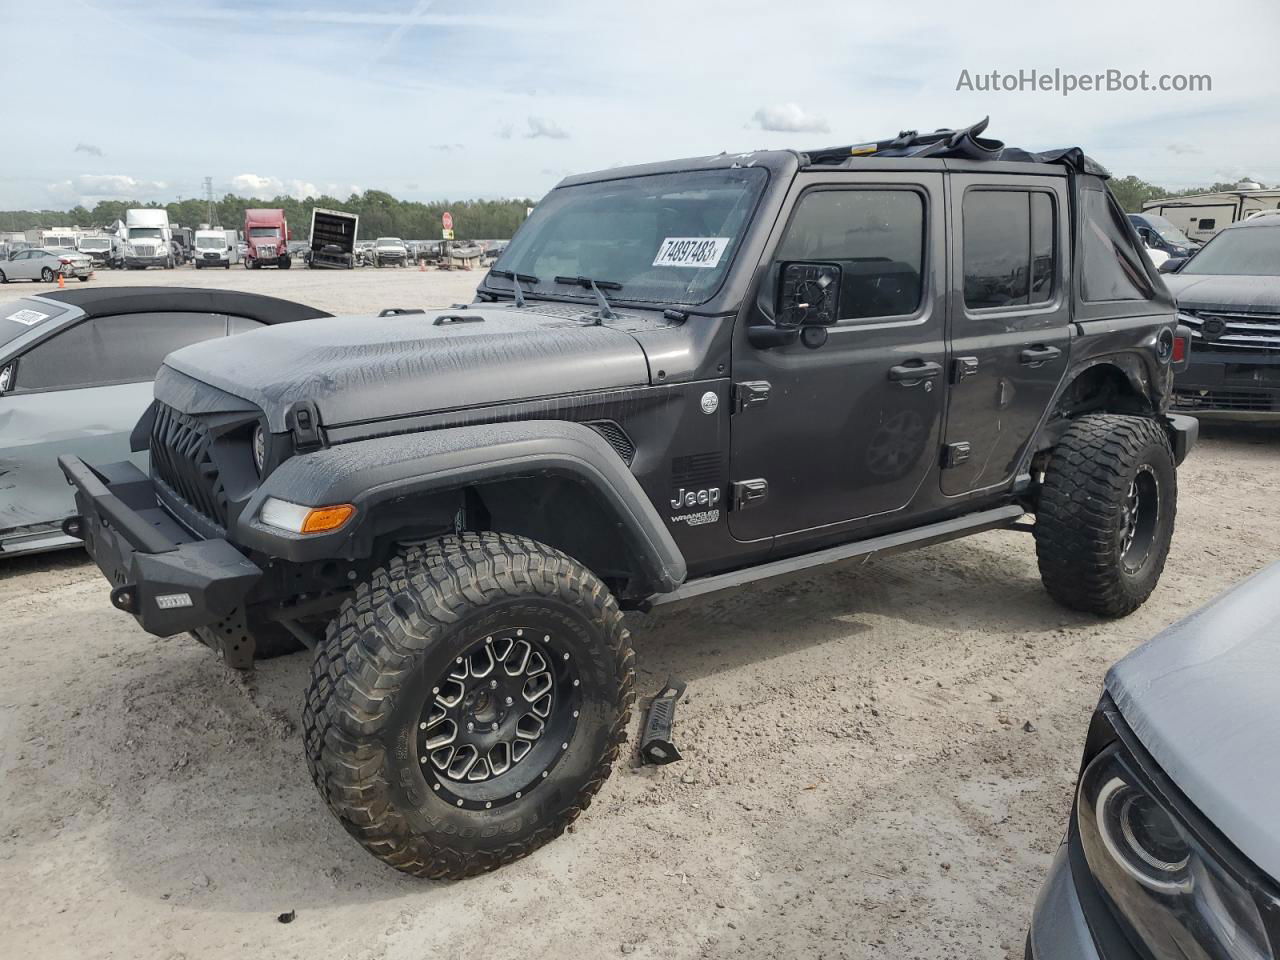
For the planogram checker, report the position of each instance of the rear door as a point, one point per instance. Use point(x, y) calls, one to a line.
point(1009, 322)
point(81, 392)
point(849, 430)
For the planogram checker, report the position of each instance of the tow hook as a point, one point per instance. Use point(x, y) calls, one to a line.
point(125, 598)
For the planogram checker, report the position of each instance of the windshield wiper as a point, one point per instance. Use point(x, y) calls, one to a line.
point(605, 312)
point(515, 279)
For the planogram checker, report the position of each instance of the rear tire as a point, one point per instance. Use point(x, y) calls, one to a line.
point(46, 275)
point(1106, 514)
point(447, 638)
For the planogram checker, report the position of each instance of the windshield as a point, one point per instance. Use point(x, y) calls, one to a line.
point(1167, 230)
point(95, 243)
point(1241, 252)
point(21, 316)
point(667, 238)
point(264, 231)
point(59, 241)
point(390, 242)
point(145, 233)
point(211, 243)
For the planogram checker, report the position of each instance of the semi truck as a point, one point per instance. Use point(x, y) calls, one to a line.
point(333, 239)
point(267, 234)
point(148, 239)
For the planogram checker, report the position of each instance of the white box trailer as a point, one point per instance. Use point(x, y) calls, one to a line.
point(1202, 215)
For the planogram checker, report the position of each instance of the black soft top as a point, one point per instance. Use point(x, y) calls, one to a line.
point(940, 146)
point(962, 144)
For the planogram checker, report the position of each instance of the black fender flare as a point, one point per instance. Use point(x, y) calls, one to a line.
point(368, 473)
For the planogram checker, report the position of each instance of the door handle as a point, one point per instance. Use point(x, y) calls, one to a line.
point(914, 371)
point(1039, 354)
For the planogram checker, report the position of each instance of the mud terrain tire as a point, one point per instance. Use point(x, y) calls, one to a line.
point(1106, 514)
point(389, 661)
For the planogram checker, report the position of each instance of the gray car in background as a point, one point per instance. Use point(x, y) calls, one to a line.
point(76, 369)
point(1173, 849)
point(45, 264)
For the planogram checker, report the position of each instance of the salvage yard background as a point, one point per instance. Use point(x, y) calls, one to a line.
point(879, 758)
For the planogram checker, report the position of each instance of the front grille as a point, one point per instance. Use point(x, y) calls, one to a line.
point(181, 461)
point(212, 256)
point(1216, 330)
point(1252, 400)
point(266, 250)
point(144, 250)
point(616, 438)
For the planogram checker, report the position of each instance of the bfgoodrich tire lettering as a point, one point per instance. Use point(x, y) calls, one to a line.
point(1106, 514)
point(384, 655)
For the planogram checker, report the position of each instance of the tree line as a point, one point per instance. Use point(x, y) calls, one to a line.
point(381, 215)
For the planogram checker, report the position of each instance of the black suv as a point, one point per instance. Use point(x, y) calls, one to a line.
point(678, 378)
point(1228, 295)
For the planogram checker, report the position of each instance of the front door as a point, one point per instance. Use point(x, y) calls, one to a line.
point(850, 429)
point(1009, 324)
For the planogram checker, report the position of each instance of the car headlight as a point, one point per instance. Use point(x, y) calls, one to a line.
point(1175, 894)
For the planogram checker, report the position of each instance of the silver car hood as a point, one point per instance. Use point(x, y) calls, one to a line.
point(357, 369)
point(1202, 699)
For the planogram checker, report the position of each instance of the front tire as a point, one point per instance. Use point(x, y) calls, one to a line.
point(1106, 514)
point(494, 631)
point(46, 275)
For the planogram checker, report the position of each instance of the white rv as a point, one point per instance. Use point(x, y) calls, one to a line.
point(1202, 215)
point(215, 248)
point(147, 239)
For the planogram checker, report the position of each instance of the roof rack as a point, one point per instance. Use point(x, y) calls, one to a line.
point(964, 143)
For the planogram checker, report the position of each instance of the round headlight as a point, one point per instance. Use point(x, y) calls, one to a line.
point(1142, 838)
point(259, 448)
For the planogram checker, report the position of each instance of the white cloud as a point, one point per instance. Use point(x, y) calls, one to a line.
point(789, 118)
point(89, 188)
point(264, 188)
point(540, 127)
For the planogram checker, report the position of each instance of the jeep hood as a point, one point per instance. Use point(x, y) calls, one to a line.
point(1215, 292)
point(357, 369)
point(1201, 698)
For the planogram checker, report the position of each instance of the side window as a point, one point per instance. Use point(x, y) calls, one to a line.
point(1009, 248)
point(1207, 223)
point(877, 239)
point(1111, 265)
point(126, 348)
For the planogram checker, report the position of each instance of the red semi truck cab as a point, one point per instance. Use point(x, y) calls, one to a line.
point(266, 232)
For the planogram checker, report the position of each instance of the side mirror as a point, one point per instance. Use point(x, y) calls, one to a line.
point(6, 377)
point(1173, 264)
point(808, 295)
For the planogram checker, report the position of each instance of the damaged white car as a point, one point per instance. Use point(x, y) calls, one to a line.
point(76, 369)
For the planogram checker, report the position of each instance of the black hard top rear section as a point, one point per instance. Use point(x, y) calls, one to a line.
point(114, 300)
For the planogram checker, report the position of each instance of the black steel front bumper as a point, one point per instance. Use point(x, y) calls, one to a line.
point(1183, 432)
point(170, 581)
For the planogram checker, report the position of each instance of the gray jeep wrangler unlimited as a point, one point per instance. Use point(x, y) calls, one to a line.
point(677, 378)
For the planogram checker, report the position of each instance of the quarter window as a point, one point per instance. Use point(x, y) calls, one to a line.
point(1112, 265)
point(1009, 248)
point(877, 239)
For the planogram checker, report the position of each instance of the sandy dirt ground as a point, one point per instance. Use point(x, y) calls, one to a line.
point(859, 780)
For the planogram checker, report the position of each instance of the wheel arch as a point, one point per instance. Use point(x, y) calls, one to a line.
point(557, 482)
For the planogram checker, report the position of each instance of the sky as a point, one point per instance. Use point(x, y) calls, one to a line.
point(434, 100)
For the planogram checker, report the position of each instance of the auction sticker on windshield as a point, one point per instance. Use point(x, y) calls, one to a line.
point(691, 251)
point(28, 318)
